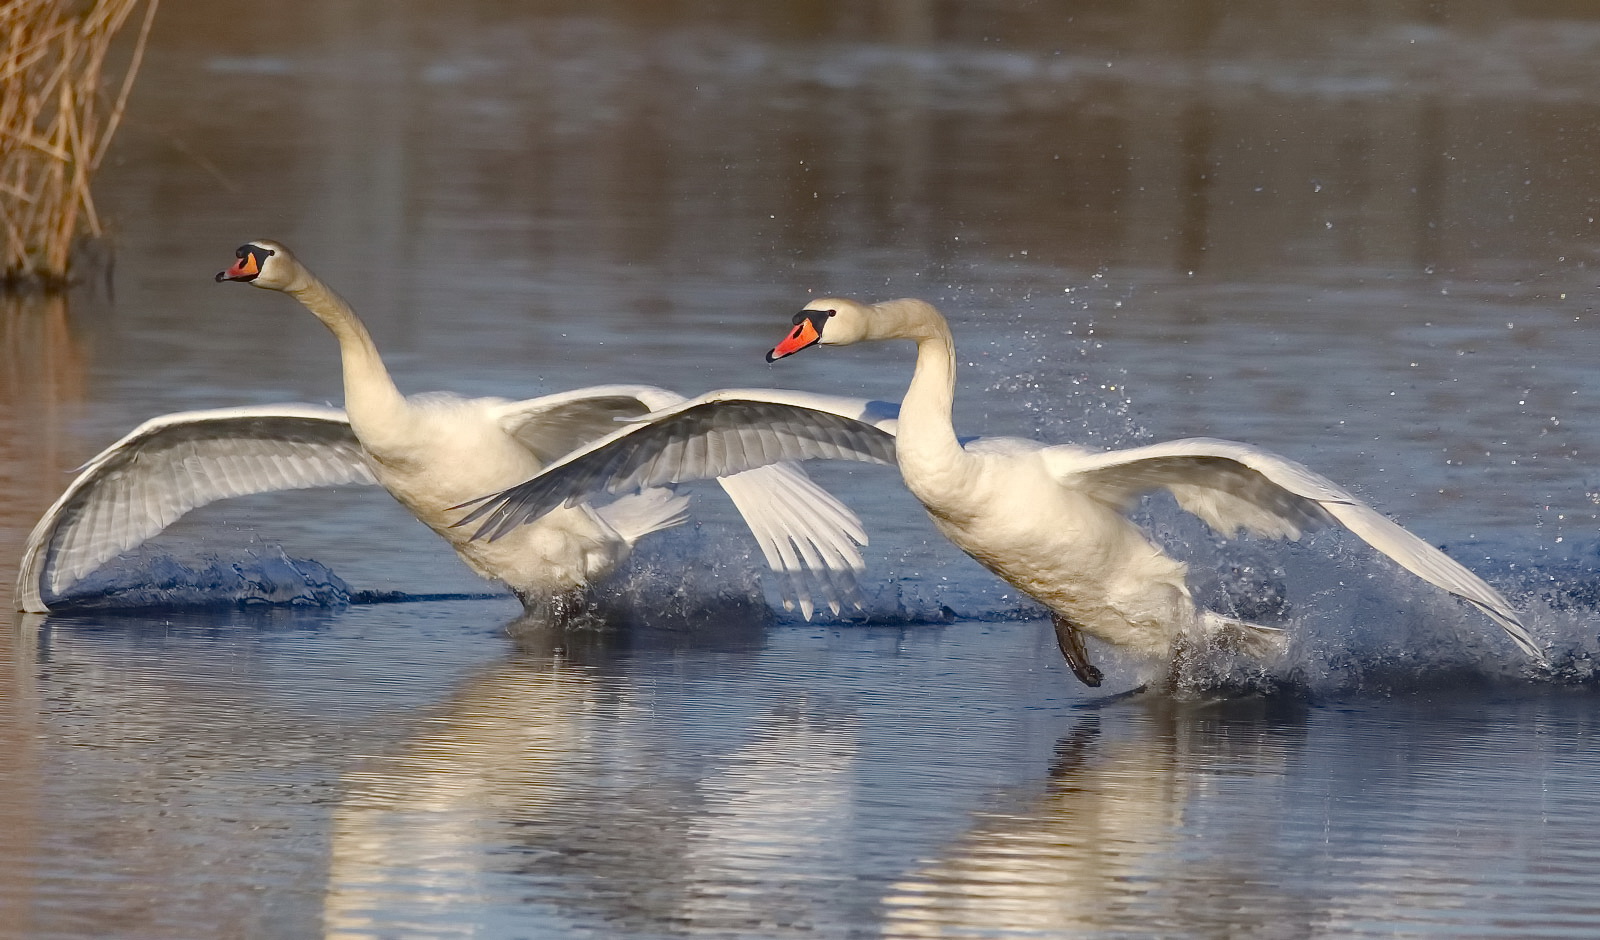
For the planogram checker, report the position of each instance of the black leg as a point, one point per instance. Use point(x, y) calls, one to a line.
point(1071, 643)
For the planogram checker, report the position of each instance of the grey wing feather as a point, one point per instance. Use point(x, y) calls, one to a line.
point(1228, 485)
point(1231, 486)
point(555, 425)
point(173, 464)
point(815, 550)
point(711, 437)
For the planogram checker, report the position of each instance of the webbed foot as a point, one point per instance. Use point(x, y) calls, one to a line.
point(1070, 640)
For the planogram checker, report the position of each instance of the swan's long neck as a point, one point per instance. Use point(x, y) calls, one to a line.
point(931, 460)
point(370, 397)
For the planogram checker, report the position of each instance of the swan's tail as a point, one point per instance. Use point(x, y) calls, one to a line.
point(1252, 639)
point(639, 514)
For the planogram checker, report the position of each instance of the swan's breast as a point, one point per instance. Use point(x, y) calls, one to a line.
point(1012, 515)
point(1071, 553)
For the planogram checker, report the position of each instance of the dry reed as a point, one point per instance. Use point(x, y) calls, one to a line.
point(56, 123)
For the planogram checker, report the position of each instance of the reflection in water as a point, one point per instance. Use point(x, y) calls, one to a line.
point(1104, 839)
point(553, 786)
point(553, 146)
point(176, 773)
point(326, 774)
point(548, 777)
point(42, 366)
point(772, 835)
point(407, 838)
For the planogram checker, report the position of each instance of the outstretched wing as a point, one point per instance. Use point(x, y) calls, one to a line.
point(175, 463)
point(805, 533)
point(715, 435)
point(1234, 486)
point(555, 425)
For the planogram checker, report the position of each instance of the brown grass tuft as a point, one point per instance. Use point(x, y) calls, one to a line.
point(55, 125)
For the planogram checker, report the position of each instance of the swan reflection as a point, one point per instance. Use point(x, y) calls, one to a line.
point(558, 775)
point(1106, 838)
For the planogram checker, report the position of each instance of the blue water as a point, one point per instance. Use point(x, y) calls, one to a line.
point(368, 772)
point(1363, 239)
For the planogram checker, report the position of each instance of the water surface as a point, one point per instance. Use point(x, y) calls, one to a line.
point(1363, 239)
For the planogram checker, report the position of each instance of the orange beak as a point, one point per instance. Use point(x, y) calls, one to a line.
point(805, 333)
point(245, 269)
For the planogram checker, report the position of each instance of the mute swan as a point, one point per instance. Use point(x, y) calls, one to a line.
point(1051, 520)
point(430, 452)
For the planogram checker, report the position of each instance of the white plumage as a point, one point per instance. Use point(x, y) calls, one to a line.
point(431, 452)
point(1052, 521)
point(175, 463)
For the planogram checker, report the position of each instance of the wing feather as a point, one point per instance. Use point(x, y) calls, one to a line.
point(1232, 486)
point(1435, 567)
point(802, 426)
point(765, 447)
point(173, 464)
point(555, 425)
point(804, 532)
point(814, 547)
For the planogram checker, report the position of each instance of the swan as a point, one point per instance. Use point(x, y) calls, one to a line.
point(430, 452)
point(1050, 520)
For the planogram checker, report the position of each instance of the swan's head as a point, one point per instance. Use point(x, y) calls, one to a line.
point(262, 263)
point(830, 321)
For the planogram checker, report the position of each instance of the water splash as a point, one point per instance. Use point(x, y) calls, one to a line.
point(263, 576)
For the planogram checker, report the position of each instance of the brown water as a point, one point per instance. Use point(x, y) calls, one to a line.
point(1361, 237)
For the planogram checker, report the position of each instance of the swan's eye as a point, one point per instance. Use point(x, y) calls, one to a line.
point(254, 251)
point(833, 313)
